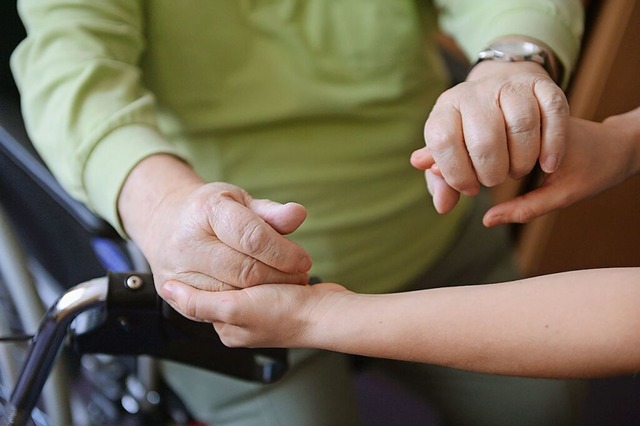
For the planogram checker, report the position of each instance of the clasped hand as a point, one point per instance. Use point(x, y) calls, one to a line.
point(499, 123)
point(218, 238)
point(208, 237)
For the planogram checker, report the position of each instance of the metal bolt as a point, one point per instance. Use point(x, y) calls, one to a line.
point(134, 282)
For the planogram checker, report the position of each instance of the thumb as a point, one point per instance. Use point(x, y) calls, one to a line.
point(422, 159)
point(527, 207)
point(284, 218)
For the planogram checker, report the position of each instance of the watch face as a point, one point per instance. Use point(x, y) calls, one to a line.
point(517, 48)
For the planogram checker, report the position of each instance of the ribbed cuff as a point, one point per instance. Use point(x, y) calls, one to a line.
point(111, 162)
point(561, 39)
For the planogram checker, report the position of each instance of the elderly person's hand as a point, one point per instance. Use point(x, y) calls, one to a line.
point(210, 237)
point(498, 123)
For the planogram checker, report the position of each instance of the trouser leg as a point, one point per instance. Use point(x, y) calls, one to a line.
point(474, 399)
point(318, 390)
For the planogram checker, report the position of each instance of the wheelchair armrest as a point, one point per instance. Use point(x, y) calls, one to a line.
point(15, 145)
point(136, 321)
point(131, 320)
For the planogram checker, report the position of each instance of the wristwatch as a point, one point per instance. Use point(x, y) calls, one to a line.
point(512, 50)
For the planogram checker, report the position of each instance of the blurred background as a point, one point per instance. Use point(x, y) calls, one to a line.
point(601, 232)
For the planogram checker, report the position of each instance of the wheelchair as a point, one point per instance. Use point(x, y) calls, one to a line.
point(81, 326)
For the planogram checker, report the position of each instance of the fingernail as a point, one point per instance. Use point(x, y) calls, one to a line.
point(550, 164)
point(304, 265)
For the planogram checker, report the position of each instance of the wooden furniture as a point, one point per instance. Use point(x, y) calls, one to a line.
point(603, 231)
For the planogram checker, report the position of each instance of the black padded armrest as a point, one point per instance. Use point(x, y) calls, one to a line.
point(15, 146)
point(137, 321)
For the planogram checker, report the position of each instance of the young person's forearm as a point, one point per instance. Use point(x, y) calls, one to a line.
point(629, 125)
point(577, 324)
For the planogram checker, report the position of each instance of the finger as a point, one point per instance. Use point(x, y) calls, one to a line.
point(199, 281)
point(522, 123)
point(486, 140)
point(422, 159)
point(554, 117)
point(445, 140)
point(284, 218)
point(217, 261)
point(198, 305)
point(241, 229)
point(527, 207)
point(445, 198)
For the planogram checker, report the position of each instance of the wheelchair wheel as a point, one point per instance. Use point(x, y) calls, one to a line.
point(11, 352)
point(21, 312)
point(10, 326)
point(13, 349)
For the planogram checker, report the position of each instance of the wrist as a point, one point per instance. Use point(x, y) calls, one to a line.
point(147, 189)
point(329, 318)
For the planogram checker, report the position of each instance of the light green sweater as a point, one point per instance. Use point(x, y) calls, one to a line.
point(317, 101)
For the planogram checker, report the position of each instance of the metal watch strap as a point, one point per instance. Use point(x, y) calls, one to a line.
point(543, 57)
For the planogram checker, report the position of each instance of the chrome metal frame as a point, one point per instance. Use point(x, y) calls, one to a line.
point(46, 347)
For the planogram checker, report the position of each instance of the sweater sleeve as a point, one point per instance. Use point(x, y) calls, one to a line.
point(83, 102)
point(556, 23)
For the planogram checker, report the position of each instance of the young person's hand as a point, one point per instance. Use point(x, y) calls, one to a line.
point(268, 315)
point(598, 156)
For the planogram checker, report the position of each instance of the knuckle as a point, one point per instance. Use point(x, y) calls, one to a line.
point(481, 152)
point(488, 152)
point(522, 124)
point(253, 238)
point(557, 104)
point(219, 286)
point(249, 273)
point(436, 137)
point(554, 101)
point(510, 88)
point(519, 118)
point(190, 307)
point(524, 213)
point(215, 204)
point(450, 96)
point(521, 212)
point(222, 190)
